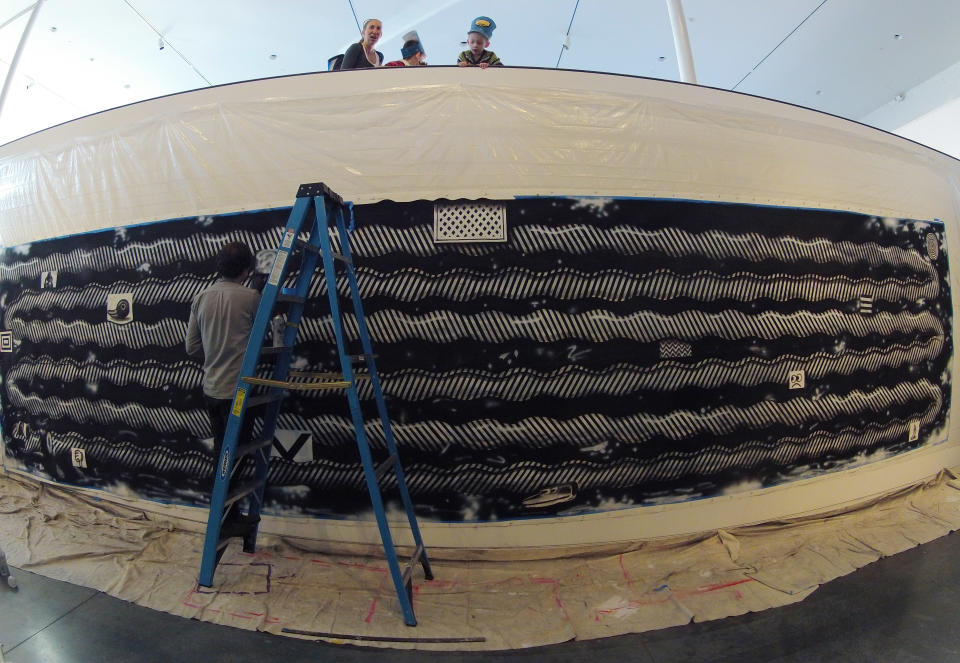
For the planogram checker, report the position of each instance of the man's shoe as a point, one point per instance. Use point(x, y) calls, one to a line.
point(238, 525)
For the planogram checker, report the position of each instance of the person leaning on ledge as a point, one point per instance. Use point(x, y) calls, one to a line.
point(361, 55)
point(412, 52)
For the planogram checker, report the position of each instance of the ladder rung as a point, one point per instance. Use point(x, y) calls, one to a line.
point(307, 246)
point(325, 376)
point(257, 401)
point(223, 543)
point(250, 447)
point(342, 258)
point(275, 349)
point(408, 569)
point(382, 468)
point(296, 299)
point(242, 491)
point(299, 386)
point(356, 359)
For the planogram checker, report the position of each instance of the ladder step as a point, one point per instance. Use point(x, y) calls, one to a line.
point(307, 246)
point(325, 375)
point(342, 258)
point(297, 386)
point(242, 491)
point(275, 349)
point(356, 359)
point(296, 299)
point(265, 399)
point(408, 569)
point(250, 447)
point(385, 466)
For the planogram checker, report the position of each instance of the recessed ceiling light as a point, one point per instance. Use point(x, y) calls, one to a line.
point(127, 86)
point(898, 36)
point(819, 92)
point(661, 58)
point(273, 56)
point(900, 97)
point(53, 28)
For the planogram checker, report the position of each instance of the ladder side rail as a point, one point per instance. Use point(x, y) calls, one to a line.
point(375, 383)
point(308, 265)
point(251, 357)
point(364, 331)
point(355, 411)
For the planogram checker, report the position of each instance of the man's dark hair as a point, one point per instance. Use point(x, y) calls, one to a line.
point(233, 259)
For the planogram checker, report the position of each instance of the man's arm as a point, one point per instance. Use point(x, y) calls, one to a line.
point(193, 341)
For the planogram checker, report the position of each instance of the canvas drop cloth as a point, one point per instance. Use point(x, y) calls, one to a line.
point(471, 604)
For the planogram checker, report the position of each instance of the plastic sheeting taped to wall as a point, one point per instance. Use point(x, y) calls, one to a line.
point(431, 133)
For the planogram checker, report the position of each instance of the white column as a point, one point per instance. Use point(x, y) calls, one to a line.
point(11, 72)
point(681, 41)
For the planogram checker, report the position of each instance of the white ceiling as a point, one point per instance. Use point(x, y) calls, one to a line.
point(839, 56)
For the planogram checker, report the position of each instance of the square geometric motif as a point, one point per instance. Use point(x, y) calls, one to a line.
point(470, 222)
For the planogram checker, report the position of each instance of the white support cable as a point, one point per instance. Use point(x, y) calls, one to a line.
point(11, 72)
point(681, 41)
point(566, 38)
point(11, 20)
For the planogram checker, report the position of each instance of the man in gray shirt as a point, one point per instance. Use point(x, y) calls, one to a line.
point(221, 317)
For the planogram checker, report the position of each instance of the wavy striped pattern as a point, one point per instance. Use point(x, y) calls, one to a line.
point(152, 373)
point(93, 296)
point(107, 258)
point(672, 242)
point(590, 430)
point(617, 285)
point(646, 326)
point(521, 384)
point(167, 333)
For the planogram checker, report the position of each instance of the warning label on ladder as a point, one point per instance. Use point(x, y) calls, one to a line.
point(238, 402)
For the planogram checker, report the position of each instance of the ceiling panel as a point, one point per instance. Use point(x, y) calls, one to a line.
point(730, 39)
point(246, 39)
point(848, 52)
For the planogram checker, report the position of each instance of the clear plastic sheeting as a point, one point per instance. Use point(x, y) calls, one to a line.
point(440, 132)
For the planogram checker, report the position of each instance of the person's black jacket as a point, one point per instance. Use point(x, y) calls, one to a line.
point(355, 58)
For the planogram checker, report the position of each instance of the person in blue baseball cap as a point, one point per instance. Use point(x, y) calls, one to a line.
point(412, 52)
point(478, 38)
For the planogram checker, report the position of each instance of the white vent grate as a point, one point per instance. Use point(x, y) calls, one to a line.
point(470, 222)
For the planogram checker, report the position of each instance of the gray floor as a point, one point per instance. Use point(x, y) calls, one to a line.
point(902, 609)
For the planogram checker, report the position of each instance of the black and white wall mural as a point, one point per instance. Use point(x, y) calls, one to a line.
point(607, 354)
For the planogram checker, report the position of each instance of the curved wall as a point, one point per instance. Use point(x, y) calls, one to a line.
point(621, 350)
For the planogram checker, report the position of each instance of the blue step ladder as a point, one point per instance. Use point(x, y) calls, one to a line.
point(317, 212)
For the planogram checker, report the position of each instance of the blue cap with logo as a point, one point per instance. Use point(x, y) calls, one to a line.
point(484, 25)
